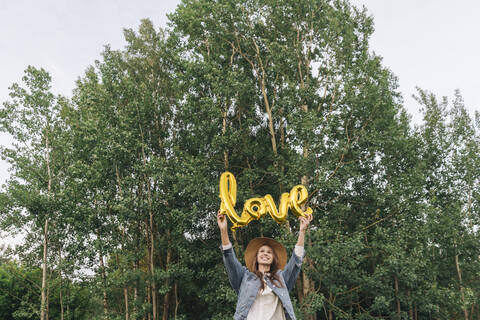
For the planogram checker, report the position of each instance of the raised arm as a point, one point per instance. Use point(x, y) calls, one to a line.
point(304, 222)
point(292, 269)
point(235, 270)
point(223, 226)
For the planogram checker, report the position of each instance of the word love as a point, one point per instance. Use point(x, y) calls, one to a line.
point(255, 208)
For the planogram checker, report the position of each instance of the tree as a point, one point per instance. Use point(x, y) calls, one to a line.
point(287, 92)
point(450, 150)
point(125, 175)
point(31, 117)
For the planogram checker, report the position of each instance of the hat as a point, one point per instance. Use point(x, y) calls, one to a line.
point(255, 244)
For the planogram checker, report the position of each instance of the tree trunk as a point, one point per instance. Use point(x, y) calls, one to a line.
point(152, 267)
point(149, 288)
point(166, 301)
point(150, 213)
point(299, 287)
point(43, 301)
point(47, 303)
point(410, 310)
point(459, 273)
point(61, 300)
point(149, 265)
point(149, 301)
point(166, 298)
point(125, 295)
point(61, 285)
point(135, 291)
point(224, 130)
point(268, 106)
point(125, 287)
point(308, 285)
point(152, 238)
point(395, 278)
point(177, 301)
point(225, 165)
point(330, 311)
point(104, 282)
point(68, 301)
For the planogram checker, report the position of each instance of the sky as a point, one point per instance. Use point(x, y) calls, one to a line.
point(432, 44)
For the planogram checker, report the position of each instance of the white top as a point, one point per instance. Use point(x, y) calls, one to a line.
point(267, 305)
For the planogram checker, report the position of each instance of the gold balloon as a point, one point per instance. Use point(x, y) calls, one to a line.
point(298, 197)
point(228, 195)
point(256, 208)
point(278, 215)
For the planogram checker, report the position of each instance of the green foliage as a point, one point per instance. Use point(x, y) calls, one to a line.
point(279, 93)
point(19, 295)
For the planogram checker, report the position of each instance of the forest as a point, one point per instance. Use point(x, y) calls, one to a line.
point(115, 187)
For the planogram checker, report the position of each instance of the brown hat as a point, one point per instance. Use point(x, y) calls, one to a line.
point(255, 244)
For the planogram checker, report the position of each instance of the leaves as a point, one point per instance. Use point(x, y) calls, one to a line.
point(279, 93)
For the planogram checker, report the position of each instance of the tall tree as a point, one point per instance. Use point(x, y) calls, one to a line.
point(296, 77)
point(31, 117)
point(450, 150)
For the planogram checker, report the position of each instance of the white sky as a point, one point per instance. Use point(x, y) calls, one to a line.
point(65, 37)
point(433, 44)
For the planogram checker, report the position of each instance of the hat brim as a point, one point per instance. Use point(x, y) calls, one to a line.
point(255, 244)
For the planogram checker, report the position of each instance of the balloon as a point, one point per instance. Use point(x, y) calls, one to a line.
point(256, 208)
point(278, 215)
point(228, 195)
point(298, 197)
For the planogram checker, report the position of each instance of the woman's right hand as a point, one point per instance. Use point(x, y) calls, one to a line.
point(222, 221)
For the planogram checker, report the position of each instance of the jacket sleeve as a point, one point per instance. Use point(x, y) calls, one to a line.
point(292, 270)
point(235, 270)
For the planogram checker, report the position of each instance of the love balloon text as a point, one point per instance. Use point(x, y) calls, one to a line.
point(255, 208)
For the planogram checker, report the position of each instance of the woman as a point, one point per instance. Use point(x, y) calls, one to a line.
point(263, 287)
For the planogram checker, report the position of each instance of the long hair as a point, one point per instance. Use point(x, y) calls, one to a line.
point(273, 269)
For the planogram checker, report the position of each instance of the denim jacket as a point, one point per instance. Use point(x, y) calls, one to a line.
point(246, 284)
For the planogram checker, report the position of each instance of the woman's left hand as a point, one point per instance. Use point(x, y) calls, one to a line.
point(305, 221)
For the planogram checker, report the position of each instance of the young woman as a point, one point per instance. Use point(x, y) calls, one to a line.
point(263, 286)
